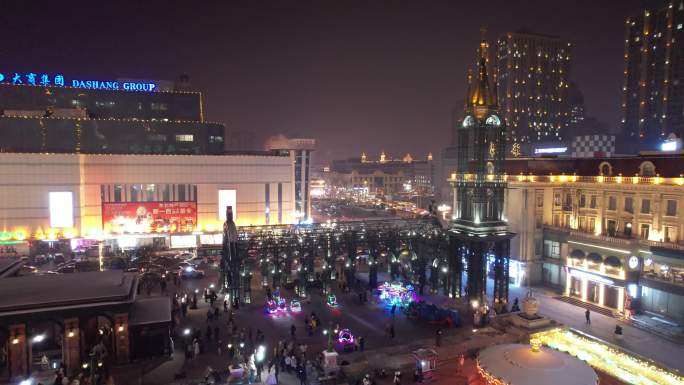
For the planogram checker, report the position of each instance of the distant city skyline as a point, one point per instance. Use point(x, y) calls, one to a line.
point(357, 76)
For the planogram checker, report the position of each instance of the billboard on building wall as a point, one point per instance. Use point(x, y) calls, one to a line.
point(149, 217)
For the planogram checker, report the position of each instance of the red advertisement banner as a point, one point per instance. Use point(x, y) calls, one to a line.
point(149, 217)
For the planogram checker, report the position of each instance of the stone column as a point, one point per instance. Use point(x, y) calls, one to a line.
point(121, 341)
point(18, 351)
point(71, 348)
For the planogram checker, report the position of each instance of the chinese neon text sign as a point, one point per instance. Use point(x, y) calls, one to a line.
point(59, 80)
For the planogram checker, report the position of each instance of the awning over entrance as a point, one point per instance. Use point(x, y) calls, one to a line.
point(613, 261)
point(593, 257)
point(577, 254)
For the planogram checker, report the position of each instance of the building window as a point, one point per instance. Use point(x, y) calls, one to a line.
point(611, 227)
point(670, 234)
point(538, 221)
point(181, 192)
point(645, 228)
point(280, 203)
point(612, 203)
point(118, 193)
point(227, 198)
point(557, 199)
point(61, 205)
point(556, 220)
point(645, 206)
point(671, 209)
point(538, 247)
point(184, 138)
point(592, 204)
point(605, 169)
point(629, 205)
point(568, 201)
point(156, 138)
point(540, 200)
point(215, 139)
point(135, 189)
point(583, 201)
point(159, 106)
point(166, 194)
point(647, 169)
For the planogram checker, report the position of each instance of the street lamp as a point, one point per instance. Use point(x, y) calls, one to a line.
point(329, 334)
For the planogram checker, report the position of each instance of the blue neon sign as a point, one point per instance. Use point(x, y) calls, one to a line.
point(58, 80)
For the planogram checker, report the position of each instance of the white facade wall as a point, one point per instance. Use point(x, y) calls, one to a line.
point(27, 180)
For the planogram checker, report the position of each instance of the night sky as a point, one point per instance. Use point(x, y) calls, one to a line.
point(355, 75)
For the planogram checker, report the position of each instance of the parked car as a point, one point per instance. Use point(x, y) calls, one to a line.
point(190, 272)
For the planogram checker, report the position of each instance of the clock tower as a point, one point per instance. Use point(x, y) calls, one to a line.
point(479, 229)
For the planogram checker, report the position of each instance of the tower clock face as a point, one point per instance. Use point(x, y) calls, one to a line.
point(468, 121)
point(493, 120)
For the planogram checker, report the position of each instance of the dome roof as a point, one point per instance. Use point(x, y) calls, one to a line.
point(517, 364)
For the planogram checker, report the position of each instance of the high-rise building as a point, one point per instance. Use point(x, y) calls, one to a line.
point(653, 92)
point(533, 86)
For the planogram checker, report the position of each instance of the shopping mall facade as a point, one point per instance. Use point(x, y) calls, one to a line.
point(601, 231)
point(131, 162)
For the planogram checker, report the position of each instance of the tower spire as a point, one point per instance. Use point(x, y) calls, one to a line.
point(482, 94)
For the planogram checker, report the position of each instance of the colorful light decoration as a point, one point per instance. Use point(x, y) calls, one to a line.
point(295, 306)
point(397, 294)
point(332, 300)
point(345, 337)
point(620, 364)
point(276, 305)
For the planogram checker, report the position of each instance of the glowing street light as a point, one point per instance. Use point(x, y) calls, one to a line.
point(38, 338)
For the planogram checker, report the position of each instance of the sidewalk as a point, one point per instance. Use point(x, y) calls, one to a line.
point(636, 339)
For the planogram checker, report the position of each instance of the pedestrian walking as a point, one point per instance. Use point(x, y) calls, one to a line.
point(362, 343)
point(392, 331)
point(219, 345)
point(216, 313)
point(587, 315)
point(394, 308)
point(397, 378)
point(196, 348)
point(438, 337)
point(208, 332)
point(301, 373)
point(225, 306)
point(293, 330)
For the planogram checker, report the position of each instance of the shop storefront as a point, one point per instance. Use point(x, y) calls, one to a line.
point(595, 289)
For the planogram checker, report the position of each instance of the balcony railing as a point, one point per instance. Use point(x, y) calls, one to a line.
point(636, 179)
point(618, 239)
point(673, 279)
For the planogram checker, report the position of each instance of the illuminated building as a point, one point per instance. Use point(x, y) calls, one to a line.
point(653, 92)
point(603, 231)
point(479, 227)
point(533, 81)
point(131, 162)
point(64, 119)
point(62, 196)
point(385, 176)
point(300, 151)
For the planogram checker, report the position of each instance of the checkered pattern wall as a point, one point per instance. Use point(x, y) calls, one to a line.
point(587, 146)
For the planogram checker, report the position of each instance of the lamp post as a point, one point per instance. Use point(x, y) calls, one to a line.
point(330, 339)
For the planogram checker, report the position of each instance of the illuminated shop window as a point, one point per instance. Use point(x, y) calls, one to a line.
point(184, 138)
point(61, 209)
